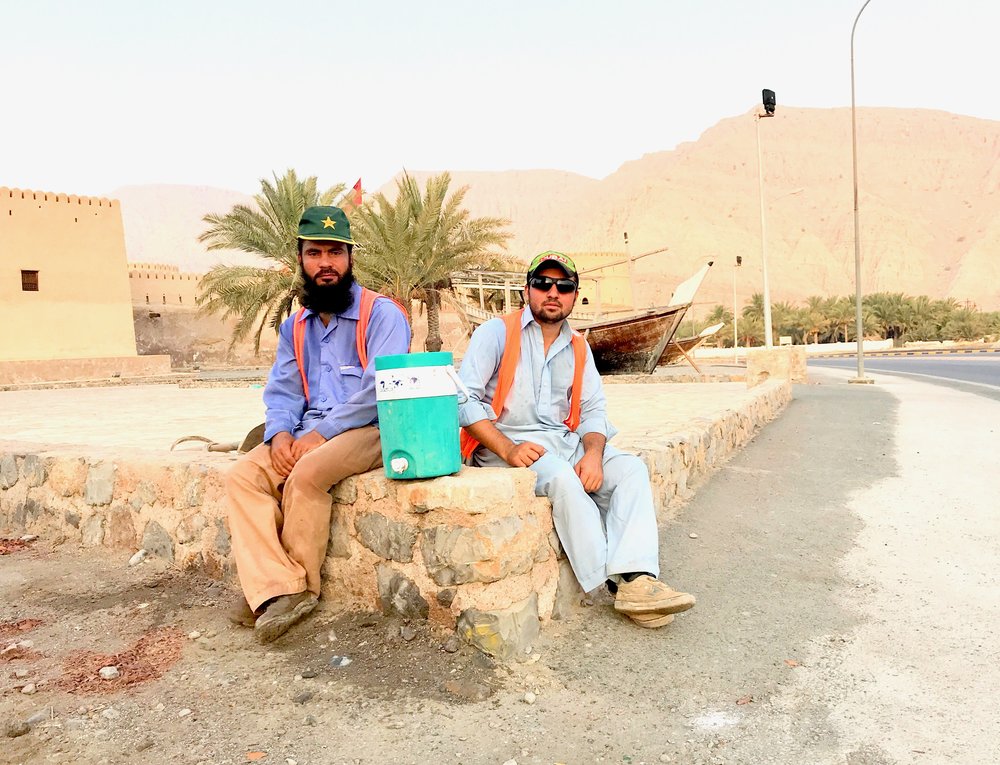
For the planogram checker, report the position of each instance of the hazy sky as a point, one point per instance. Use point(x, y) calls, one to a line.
point(98, 95)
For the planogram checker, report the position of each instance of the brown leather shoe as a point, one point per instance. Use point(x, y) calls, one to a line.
point(651, 621)
point(282, 613)
point(644, 595)
point(240, 613)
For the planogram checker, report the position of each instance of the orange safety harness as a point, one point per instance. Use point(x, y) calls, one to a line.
point(508, 368)
point(368, 298)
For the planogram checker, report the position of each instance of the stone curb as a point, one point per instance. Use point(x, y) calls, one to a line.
point(475, 551)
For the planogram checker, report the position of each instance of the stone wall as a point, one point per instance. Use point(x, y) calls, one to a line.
point(782, 363)
point(679, 461)
point(15, 373)
point(475, 552)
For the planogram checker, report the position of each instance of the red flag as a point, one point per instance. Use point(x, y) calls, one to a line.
point(357, 193)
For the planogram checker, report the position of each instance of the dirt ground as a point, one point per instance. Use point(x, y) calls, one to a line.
point(192, 687)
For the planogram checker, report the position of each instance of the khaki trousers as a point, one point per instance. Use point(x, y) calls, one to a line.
point(280, 526)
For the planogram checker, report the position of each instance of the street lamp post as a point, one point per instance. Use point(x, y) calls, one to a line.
point(736, 331)
point(857, 222)
point(768, 100)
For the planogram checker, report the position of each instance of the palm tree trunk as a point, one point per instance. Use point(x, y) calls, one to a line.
point(433, 342)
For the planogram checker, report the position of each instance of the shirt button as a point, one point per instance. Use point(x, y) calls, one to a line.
point(327, 367)
point(326, 339)
point(322, 398)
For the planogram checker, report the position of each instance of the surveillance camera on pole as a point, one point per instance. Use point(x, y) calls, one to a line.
point(767, 96)
point(768, 99)
point(736, 315)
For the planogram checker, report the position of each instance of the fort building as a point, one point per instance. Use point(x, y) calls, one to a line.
point(605, 282)
point(157, 284)
point(65, 304)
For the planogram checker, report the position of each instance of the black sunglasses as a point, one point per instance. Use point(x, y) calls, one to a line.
point(544, 284)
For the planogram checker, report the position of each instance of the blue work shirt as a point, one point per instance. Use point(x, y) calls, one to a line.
point(539, 400)
point(341, 393)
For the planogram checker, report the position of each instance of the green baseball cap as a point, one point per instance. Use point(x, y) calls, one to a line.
point(557, 259)
point(325, 224)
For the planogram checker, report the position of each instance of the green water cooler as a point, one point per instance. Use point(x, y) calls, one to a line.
point(417, 398)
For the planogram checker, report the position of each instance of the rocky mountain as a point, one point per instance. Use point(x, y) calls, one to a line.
point(929, 202)
point(163, 222)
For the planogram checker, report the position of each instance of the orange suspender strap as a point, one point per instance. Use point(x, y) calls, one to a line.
point(508, 368)
point(298, 345)
point(505, 379)
point(579, 362)
point(368, 298)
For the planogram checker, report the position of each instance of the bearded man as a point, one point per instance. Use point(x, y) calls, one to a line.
point(320, 427)
point(536, 401)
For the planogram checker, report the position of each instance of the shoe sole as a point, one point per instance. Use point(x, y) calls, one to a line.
point(244, 621)
point(669, 606)
point(652, 621)
point(267, 630)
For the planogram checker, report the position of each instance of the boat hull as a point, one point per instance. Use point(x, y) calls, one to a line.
point(624, 345)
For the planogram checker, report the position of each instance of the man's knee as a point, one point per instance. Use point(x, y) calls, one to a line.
point(556, 476)
point(306, 475)
point(628, 467)
point(245, 474)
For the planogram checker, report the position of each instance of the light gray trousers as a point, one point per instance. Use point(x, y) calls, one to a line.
point(611, 531)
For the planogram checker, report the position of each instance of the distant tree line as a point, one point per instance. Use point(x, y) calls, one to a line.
point(885, 315)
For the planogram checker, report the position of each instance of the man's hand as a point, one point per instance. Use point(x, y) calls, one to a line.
point(524, 454)
point(302, 446)
point(282, 457)
point(591, 471)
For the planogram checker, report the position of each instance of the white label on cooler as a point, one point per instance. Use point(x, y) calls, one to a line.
point(413, 382)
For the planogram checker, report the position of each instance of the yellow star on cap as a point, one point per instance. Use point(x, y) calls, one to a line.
point(329, 223)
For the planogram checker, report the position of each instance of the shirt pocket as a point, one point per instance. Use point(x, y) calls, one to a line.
point(561, 381)
point(348, 380)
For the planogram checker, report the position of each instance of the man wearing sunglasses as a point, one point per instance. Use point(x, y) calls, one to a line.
point(552, 419)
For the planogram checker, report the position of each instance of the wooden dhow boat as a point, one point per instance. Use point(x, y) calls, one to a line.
point(623, 343)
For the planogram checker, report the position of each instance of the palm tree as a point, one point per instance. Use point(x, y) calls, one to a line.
point(816, 317)
point(964, 324)
point(260, 296)
point(892, 313)
point(721, 314)
point(787, 320)
point(841, 313)
point(413, 243)
point(755, 308)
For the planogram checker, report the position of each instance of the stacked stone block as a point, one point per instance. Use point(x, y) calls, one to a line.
point(475, 552)
point(472, 550)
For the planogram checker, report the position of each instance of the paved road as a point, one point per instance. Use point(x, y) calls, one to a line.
point(942, 370)
point(847, 575)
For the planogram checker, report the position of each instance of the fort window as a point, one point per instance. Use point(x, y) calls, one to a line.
point(147, 299)
point(180, 298)
point(164, 300)
point(29, 281)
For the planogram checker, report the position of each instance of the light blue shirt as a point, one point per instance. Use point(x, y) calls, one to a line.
point(539, 399)
point(341, 393)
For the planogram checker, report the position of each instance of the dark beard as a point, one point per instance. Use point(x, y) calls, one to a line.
point(327, 298)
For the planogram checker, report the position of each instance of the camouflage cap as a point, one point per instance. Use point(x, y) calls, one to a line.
point(325, 224)
point(557, 259)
